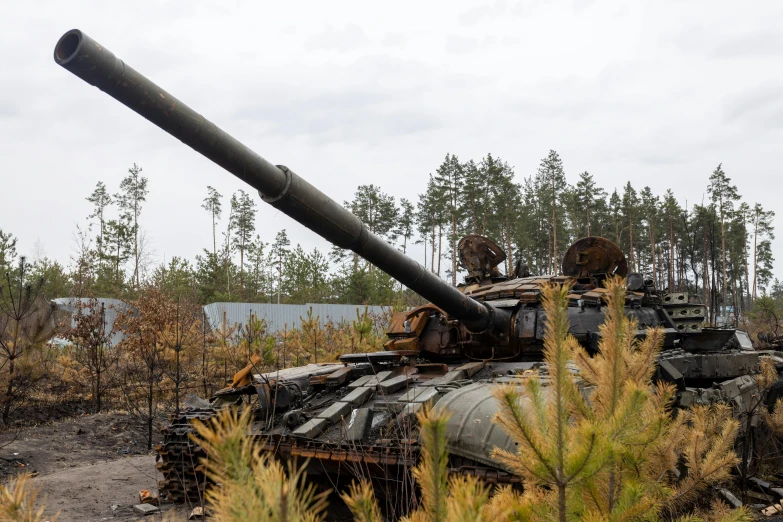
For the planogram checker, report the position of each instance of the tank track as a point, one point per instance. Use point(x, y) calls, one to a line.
point(178, 459)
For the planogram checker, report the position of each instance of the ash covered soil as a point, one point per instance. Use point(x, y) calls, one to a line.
point(89, 467)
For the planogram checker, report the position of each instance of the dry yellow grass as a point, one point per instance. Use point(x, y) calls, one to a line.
point(18, 501)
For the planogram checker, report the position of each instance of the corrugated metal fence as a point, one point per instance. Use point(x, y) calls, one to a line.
point(284, 316)
point(277, 316)
point(111, 308)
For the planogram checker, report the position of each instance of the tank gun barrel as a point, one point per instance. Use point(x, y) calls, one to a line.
point(277, 185)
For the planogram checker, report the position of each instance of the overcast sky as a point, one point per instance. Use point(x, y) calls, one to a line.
point(346, 93)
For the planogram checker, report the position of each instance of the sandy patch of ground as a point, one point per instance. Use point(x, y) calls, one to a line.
point(103, 490)
point(89, 467)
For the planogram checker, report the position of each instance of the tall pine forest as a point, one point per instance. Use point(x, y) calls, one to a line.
point(718, 247)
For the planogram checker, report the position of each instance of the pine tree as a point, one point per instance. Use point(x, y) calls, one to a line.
point(312, 334)
point(477, 199)
point(744, 216)
point(7, 251)
point(616, 206)
point(253, 485)
point(505, 200)
point(94, 352)
point(243, 212)
point(305, 276)
point(672, 215)
point(532, 231)
point(133, 193)
point(723, 194)
point(430, 218)
point(553, 178)
point(279, 253)
point(57, 282)
point(405, 223)
point(101, 199)
point(257, 258)
point(449, 180)
point(558, 445)
point(26, 324)
point(211, 277)
point(606, 451)
point(630, 210)
point(588, 194)
point(213, 205)
point(119, 235)
point(703, 222)
point(377, 211)
point(649, 207)
point(632, 412)
point(763, 233)
point(177, 279)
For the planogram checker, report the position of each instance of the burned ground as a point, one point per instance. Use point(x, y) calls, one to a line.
point(90, 467)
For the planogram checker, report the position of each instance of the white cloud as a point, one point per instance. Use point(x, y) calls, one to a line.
point(348, 38)
point(356, 92)
point(456, 44)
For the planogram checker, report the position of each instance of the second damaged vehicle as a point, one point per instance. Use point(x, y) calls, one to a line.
point(357, 417)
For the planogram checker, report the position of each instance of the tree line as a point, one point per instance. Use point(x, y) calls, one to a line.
point(718, 247)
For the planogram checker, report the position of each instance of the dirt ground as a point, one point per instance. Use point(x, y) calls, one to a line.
point(89, 468)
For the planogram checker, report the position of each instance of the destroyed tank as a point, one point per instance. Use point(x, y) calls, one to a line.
point(357, 417)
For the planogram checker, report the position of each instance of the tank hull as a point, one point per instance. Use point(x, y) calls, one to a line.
point(357, 420)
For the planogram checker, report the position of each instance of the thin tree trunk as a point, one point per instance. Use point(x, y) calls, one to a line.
point(755, 255)
point(280, 275)
point(100, 247)
point(475, 215)
point(671, 256)
point(509, 261)
point(440, 245)
point(10, 387)
point(630, 243)
point(150, 390)
point(176, 385)
point(242, 264)
point(98, 389)
point(561, 502)
point(734, 300)
point(549, 251)
point(432, 261)
point(554, 227)
point(723, 254)
point(117, 270)
point(424, 238)
point(136, 251)
point(204, 369)
point(705, 275)
point(714, 289)
point(454, 248)
point(652, 250)
point(681, 270)
point(745, 257)
point(587, 210)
